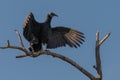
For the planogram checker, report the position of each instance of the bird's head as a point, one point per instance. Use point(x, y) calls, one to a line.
point(51, 14)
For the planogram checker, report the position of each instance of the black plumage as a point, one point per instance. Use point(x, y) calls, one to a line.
point(42, 33)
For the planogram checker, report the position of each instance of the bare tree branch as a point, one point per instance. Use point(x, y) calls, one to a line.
point(66, 59)
point(19, 38)
point(22, 48)
point(97, 53)
point(45, 52)
point(13, 47)
point(104, 39)
point(98, 60)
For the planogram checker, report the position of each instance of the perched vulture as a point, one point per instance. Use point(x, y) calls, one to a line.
point(42, 33)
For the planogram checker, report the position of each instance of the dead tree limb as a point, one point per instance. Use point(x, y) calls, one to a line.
point(45, 52)
point(66, 59)
point(97, 53)
point(20, 39)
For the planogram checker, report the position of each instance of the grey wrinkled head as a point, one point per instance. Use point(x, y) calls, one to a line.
point(52, 14)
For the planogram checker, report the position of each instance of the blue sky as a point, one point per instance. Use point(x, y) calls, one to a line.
point(87, 16)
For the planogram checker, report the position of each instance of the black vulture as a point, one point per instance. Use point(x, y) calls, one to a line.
point(42, 33)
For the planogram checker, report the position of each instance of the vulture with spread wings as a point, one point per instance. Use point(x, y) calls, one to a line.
point(42, 33)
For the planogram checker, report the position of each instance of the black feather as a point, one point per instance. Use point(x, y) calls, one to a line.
point(42, 33)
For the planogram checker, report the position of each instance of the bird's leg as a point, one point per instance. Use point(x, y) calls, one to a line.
point(41, 46)
point(31, 48)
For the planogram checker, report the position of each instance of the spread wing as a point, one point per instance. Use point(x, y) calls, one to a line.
point(27, 32)
point(30, 32)
point(61, 36)
point(30, 28)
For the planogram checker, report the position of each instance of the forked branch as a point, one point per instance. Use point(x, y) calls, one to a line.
point(56, 55)
point(97, 53)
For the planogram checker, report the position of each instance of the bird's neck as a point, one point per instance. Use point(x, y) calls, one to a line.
point(48, 19)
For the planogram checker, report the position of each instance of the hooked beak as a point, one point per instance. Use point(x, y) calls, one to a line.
point(56, 15)
point(52, 14)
